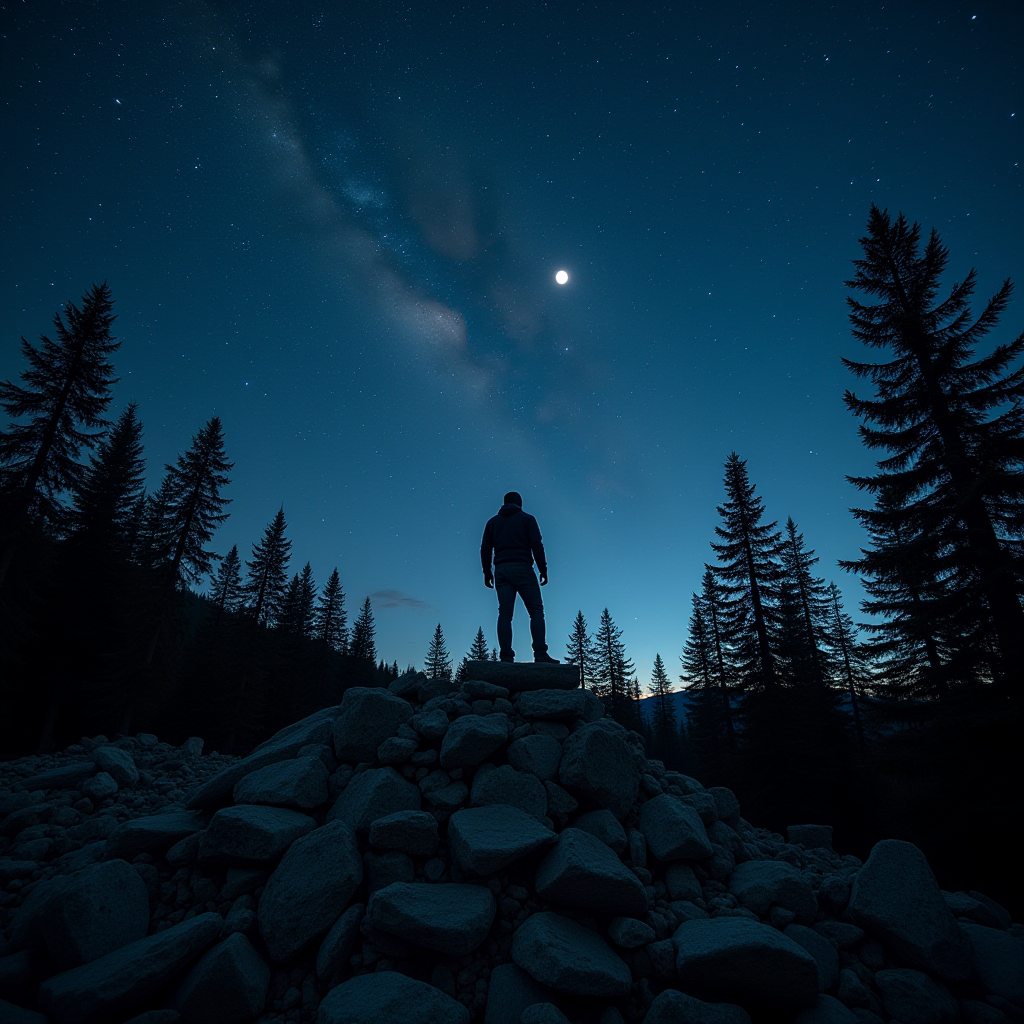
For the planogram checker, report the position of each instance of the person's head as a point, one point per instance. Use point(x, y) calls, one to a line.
point(514, 498)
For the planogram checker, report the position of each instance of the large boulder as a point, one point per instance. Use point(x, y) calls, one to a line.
point(107, 987)
point(675, 1007)
point(598, 763)
point(560, 705)
point(297, 782)
point(374, 794)
point(673, 830)
point(486, 839)
point(516, 677)
point(251, 834)
point(826, 956)
point(472, 739)
point(762, 884)
point(339, 943)
point(285, 744)
point(387, 997)
point(580, 871)
point(997, 962)
point(448, 917)
point(69, 776)
point(913, 998)
point(100, 909)
point(896, 899)
point(309, 889)
point(118, 764)
point(226, 985)
point(511, 990)
point(505, 785)
point(734, 958)
point(367, 717)
point(152, 834)
point(539, 755)
point(411, 832)
point(568, 957)
point(603, 825)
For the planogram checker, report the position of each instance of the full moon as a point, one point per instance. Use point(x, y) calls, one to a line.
point(562, 277)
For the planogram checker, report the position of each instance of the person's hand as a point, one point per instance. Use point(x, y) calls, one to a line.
point(543, 579)
point(488, 581)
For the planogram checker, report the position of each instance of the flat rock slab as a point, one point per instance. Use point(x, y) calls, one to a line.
point(309, 889)
point(117, 763)
point(411, 832)
point(734, 958)
point(375, 793)
point(568, 957)
point(448, 917)
point(367, 717)
point(71, 776)
point(227, 983)
point(598, 762)
point(296, 782)
point(505, 785)
point(472, 739)
point(387, 997)
point(896, 899)
point(317, 728)
point(101, 909)
point(538, 755)
point(760, 884)
point(675, 1007)
point(155, 833)
point(673, 830)
point(106, 988)
point(511, 990)
point(525, 675)
point(486, 839)
point(580, 871)
point(251, 834)
point(560, 705)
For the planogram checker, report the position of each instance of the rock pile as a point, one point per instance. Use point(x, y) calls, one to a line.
point(500, 852)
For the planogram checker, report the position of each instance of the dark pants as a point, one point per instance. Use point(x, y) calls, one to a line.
point(511, 578)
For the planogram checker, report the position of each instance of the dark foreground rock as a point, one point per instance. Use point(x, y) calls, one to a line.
point(389, 998)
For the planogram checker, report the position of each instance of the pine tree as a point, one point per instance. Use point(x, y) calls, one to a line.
point(331, 619)
point(478, 649)
point(580, 650)
point(705, 708)
point(951, 425)
point(61, 405)
point(612, 668)
point(841, 638)
point(227, 584)
point(362, 644)
point(749, 573)
point(664, 717)
point(494, 654)
point(298, 604)
point(438, 664)
point(807, 594)
point(724, 670)
point(268, 571)
point(105, 497)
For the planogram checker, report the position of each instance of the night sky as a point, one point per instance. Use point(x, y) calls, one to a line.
point(337, 227)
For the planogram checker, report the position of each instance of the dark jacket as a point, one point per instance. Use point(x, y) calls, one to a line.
point(513, 536)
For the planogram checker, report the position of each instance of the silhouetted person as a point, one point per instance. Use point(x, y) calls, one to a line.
point(513, 538)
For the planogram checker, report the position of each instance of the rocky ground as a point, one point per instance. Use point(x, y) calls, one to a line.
point(500, 853)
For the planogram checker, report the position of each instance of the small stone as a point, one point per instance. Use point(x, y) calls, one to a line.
point(99, 787)
point(411, 832)
point(681, 882)
point(629, 933)
point(396, 750)
point(431, 725)
point(117, 763)
point(758, 884)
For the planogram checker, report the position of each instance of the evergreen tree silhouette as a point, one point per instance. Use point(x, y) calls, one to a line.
point(612, 669)
point(268, 571)
point(807, 593)
point(841, 637)
point(951, 425)
point(708, 709)
point(478, 650)
point(748, 574)
point(331, 619)
point(438, 664)
point(664, 716)
point(580, 650)
point(227, 584)
point(362, 644)
point(57, 411)
point(494, 654)
point(299, 604)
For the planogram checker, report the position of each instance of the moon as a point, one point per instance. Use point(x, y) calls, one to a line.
point(562, 277)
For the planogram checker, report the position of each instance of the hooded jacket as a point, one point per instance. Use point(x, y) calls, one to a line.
point(513, 536)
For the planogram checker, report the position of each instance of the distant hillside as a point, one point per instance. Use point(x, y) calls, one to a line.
point(680, 701)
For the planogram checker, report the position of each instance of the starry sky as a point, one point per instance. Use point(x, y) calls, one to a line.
point(337, 226)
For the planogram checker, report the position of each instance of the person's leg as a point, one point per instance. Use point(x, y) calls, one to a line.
point(529, 591)
point(505, 588)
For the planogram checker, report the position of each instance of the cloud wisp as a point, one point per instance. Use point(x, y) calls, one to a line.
point(396, 599)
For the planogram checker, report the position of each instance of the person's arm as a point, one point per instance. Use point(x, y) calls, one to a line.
point(486, 550)
point(537, 546)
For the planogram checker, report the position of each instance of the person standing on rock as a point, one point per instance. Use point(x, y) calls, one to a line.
point(512, 538)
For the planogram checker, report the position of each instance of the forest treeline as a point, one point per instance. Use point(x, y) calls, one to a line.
point(118, 614)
